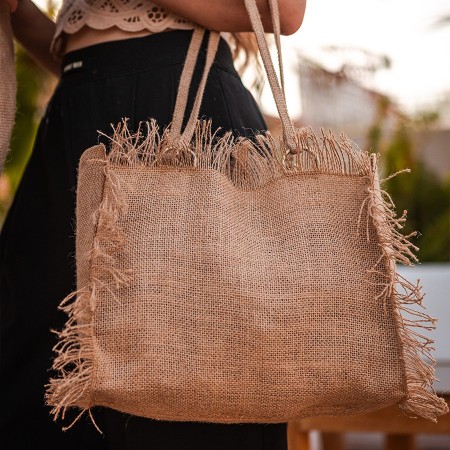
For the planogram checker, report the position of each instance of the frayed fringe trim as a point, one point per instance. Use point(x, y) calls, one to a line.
point(421, 399)
point(75, 351)
point(248, 163)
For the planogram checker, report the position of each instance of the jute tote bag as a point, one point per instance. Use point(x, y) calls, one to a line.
point(8, 83)
point(232, 280)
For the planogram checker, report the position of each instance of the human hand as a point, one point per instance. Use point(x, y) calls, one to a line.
point(12, 4)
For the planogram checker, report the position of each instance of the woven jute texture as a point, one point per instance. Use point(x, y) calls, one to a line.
point(230, 280)
point(8, 83)
point(263, 294)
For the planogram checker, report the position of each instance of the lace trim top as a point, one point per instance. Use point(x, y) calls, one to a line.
point(128, 15)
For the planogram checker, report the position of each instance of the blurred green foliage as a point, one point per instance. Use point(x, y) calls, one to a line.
point(421, 193)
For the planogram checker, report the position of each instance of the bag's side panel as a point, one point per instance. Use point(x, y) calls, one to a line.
point(91, 179)
point(246, 306)
point(74, 352)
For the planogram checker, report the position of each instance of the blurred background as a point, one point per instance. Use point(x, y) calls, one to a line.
point(378, 70)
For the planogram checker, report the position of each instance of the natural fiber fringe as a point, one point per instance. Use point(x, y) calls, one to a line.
point(421, 399)
point(75, 351)
point(248, 164)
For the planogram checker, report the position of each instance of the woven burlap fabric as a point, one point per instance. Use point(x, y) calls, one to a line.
point(219, 295)
point(8, 83)
point(230, 280)
point(247, 305)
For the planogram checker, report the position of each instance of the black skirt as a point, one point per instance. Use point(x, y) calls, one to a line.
point(135, 78)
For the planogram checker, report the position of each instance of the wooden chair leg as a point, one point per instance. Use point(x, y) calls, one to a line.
point(297, 440)
point(332, 441)
point(400, 442)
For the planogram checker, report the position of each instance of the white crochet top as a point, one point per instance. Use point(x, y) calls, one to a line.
point(128, 15)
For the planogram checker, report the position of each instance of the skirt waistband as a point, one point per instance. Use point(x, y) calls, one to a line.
point(137, 54)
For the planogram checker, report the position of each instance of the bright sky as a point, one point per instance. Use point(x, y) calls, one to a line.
point(401, 29)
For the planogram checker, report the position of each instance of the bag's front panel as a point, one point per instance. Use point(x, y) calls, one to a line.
point(245, 305)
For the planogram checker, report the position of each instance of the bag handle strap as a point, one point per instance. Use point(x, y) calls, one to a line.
point(275, 14)
point(185, 83)
point(277, 90)
point(213, 42)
